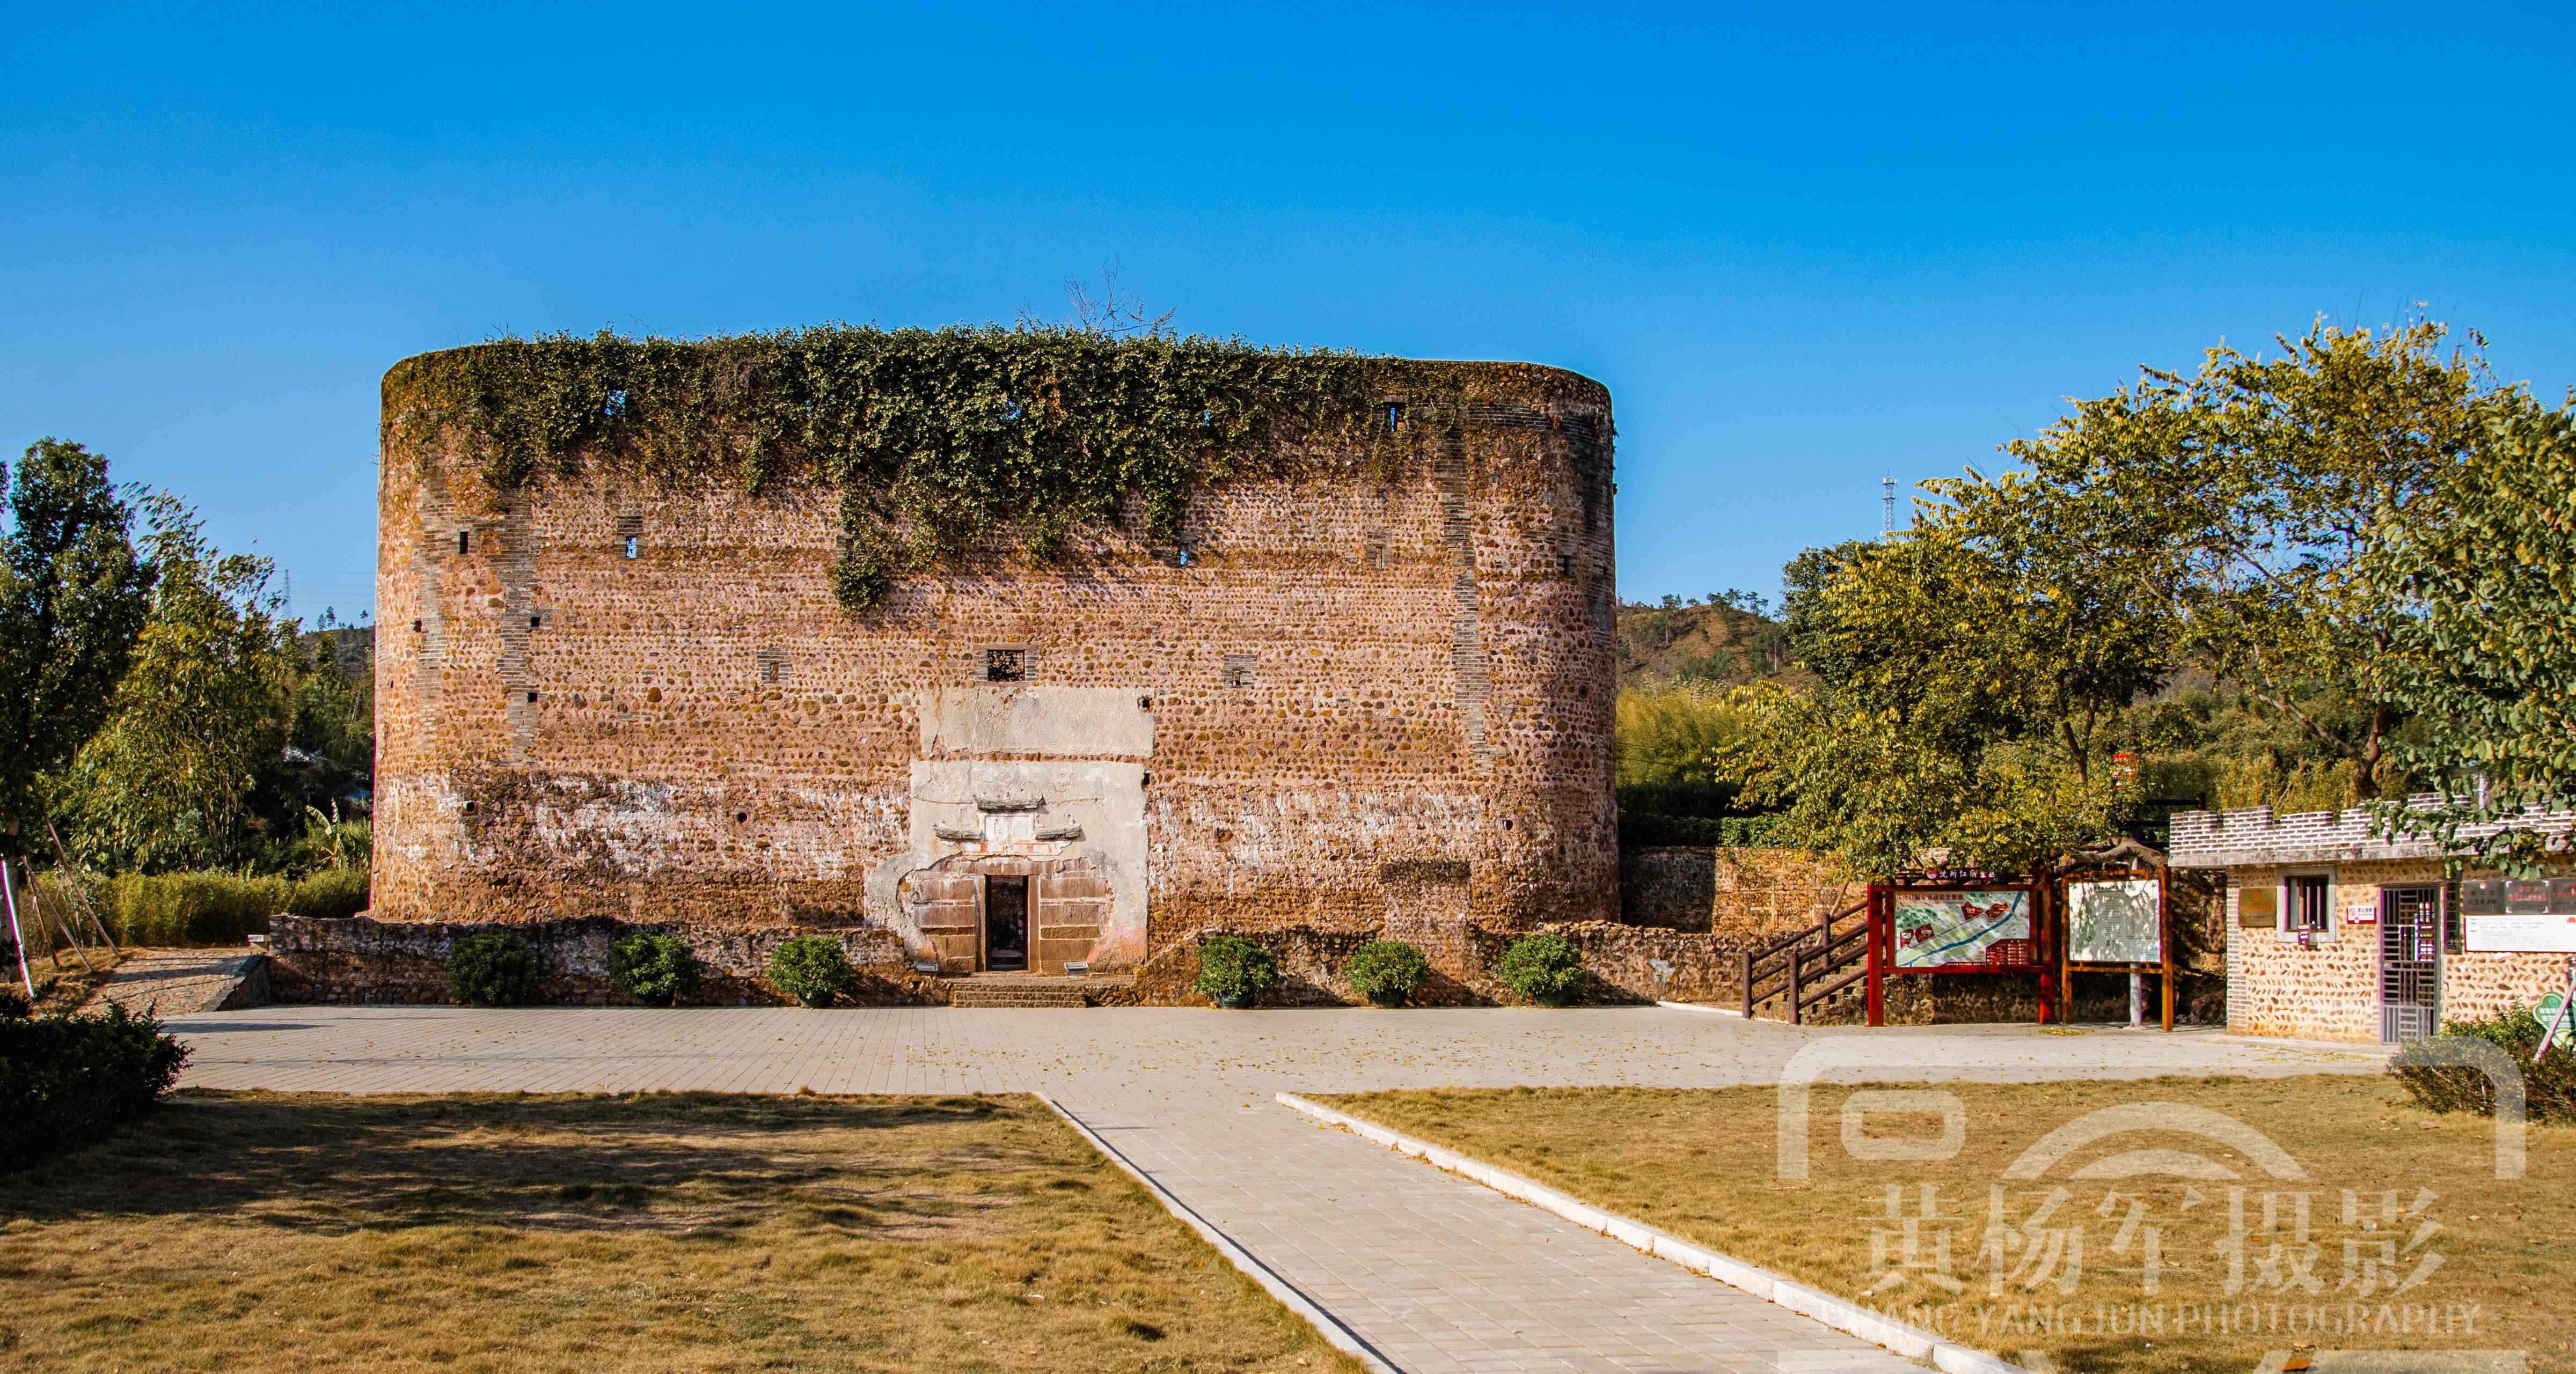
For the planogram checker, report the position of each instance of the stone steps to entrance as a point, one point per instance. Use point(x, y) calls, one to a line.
point(1029, 990)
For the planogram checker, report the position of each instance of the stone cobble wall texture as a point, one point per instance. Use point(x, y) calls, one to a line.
point(1351, 697)
point(355, 959)
point(2331, 989)
point(1620, 960)
point(1753, 893)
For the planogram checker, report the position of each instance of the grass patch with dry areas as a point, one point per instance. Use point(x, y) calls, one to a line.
point(585, 1233)
point(2396, 1234)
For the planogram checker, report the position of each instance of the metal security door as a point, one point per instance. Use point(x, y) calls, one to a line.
point(2410, 979)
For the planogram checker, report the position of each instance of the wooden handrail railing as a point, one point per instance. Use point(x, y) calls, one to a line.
point(1790, 960)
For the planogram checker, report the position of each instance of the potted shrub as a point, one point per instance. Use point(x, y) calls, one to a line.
point(655, 970)
point(1234, 970)
point(492, 968)
point(812, 969)
point(1386, 972)
point(1546, 968)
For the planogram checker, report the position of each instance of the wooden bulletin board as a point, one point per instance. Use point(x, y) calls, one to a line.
point(2117, 920)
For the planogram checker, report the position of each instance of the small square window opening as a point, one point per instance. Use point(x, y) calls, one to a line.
point(1006, 665)
point(632, 542)
point(465, 541)
point(2309, 897)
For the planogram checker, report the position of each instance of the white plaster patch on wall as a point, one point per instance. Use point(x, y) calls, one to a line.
point(1072, 722)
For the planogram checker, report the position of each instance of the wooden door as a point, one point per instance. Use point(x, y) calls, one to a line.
point(1070, 909)
point(948, 907)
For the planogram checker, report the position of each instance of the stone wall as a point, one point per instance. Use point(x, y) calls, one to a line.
point(2330, 989)
point(355, 959)
point(1758, 894)
point(1619, 959)
point(1348, 697)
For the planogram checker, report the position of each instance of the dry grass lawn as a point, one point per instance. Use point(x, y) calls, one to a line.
point(1701, 1164)
point(662, 1232)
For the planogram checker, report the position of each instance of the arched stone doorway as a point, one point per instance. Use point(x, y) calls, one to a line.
point(967, 906)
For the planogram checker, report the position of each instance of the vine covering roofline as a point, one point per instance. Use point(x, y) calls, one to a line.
point(933, 438)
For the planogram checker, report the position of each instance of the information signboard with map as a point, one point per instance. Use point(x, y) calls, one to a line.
point(1957, 929)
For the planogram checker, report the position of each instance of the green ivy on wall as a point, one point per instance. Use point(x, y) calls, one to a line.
point(933, 438)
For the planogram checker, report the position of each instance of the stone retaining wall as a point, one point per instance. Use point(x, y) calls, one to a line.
point(1755, 894)
point(1620, 960)
point(358, 960)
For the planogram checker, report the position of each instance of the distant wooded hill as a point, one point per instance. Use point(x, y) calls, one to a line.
point(1711, 642)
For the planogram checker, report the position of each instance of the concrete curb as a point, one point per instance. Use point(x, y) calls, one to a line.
point(1850, 1318)
point(1338, 1336)
point(1701, 1007)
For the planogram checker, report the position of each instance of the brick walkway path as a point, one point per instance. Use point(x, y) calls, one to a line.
point(176, 982)
point(1434, 1273)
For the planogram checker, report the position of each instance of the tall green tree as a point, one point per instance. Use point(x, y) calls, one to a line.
point(1969, 672)
point(74, 592)
point(2481, 568)
point(2270, 473)
point(169, 780)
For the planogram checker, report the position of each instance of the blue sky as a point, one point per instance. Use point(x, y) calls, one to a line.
point(1805, 246)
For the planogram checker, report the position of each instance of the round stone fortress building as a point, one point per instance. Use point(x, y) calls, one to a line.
point(1363, 680)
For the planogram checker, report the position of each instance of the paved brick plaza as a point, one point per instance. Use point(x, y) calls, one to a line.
point(1434, 1273)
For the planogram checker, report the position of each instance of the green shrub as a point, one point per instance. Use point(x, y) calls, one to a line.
point(330, 892)
point(2549, 1087)
point(1386, 971)
point(1545, 968)
point(67, 1080)
point(655, 970)
point(209, 908)
point(1233, 969)
point(492, 968)
point(812, 969)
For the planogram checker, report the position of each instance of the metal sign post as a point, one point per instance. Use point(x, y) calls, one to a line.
point(9, 891)
point(2564, 1017)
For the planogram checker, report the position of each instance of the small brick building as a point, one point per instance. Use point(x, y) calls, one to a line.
point(2335, 932)
point(1349, 698)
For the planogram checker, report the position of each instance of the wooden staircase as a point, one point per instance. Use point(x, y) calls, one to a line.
point(1808, 967)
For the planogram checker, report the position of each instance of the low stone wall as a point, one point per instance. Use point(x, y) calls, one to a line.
point(1749, 894)
point(1619, 959)
point(357, 960)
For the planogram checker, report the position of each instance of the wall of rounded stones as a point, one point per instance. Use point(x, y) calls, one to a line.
point(1621, 962)
point(354, 959)
point(1764, 893)
point(1372, 697)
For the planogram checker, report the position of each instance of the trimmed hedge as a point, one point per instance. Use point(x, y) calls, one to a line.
point(214, 908)
point(492, 968)
point(1653, 830)
point(1545, 968)
point(655, 970)
point(1386, 971)
point(65, 1081)
point(2549, 1087)
point(812, 969)
point(1232, 968)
